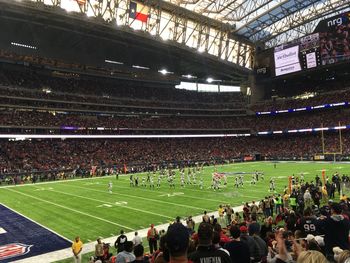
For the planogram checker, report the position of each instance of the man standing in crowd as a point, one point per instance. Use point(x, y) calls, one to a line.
point(99, 249)
point(206, 252)
point(77, 247)
point(152, 236)
point(205, 217)
point(190, 224)
point(126, 255)
point(336, 230)
point(120, 242)
point(137, 240)
point(177, 242)
point(239, 251)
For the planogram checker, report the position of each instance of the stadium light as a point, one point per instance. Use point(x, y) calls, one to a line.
point(47, 91)
point(23, 45)
point(201, 49)
point(113, 62)
point(164, 72)
point(140, 67)
point(189, 76)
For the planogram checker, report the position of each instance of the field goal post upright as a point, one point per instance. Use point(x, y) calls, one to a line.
point(324, 152)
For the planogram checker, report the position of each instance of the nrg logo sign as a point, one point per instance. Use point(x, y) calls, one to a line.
point(339, 20)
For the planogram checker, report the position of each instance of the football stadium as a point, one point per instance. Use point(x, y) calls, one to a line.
point(175, 131)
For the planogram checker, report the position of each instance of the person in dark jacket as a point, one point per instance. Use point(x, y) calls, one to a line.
point(336, 230)
point(206, 252)
point(120, 242)
point(239, 251)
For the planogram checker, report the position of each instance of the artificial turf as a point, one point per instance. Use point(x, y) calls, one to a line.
point(86, 208)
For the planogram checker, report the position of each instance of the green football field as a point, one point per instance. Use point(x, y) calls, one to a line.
point(86, 208)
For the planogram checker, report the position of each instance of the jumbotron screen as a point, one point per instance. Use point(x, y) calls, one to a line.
point(329, 44)
point(295, 56)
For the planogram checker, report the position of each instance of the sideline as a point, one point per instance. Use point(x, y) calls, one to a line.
point(70, 209)
point(90, 247)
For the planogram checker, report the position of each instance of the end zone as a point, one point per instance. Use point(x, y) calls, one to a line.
point(22, 238)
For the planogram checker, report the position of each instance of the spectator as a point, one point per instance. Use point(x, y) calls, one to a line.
point(260, 248)
point(139, 254)
point(99, 249)
point(126, 255)
point(239, 251)
point(336, 230)
point(152, 237)
point(120, 242)
point(77, 247)
point(137, 240)
point(206, 252)
point(311, 256)
point(177, 242)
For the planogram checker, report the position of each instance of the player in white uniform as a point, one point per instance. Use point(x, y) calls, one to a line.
point(189, 176)
point(241, 182)
point(236, 182)
point(194, 178)
point(272, 185)
point(131, 180)
point(253, 179)
point(201, 182)
point(143, 181)
point(158, 181)
point(110, 186)
point(151, 182)
point(170, 181)
point(182, 181)
point(215, 183)
point(225, 179)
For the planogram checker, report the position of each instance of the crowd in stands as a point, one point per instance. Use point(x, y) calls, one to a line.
point(30, 84)
point(334, 96)
point(18, 118)
point(301, 225)
point(45, 155)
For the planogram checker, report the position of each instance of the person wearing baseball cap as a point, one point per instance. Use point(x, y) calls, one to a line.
point(250, 242)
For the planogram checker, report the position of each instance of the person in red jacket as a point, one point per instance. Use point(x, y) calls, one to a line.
point(152, 237)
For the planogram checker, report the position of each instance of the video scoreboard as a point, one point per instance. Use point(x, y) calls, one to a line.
point(304, 53)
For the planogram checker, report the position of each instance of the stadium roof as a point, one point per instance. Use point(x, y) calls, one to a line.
point(270, 22)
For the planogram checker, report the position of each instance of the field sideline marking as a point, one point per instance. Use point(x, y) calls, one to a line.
point(142, 198)
point(36, 222)
point(90, 247)
point(113, 204)
point(70, 209)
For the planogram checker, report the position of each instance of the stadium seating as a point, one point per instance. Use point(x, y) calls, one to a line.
point(54, 155)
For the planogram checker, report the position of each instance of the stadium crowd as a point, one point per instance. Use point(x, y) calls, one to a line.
point(19, 118)
point(30, 84)
point(334, 96)
point(29, 156)
point(302, 224)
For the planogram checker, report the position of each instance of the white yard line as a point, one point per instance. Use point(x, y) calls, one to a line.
point(142, 198)
point(113, 204)
point(178, 189)
point(9, 208)
point(70, 209)
point(90, 247)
